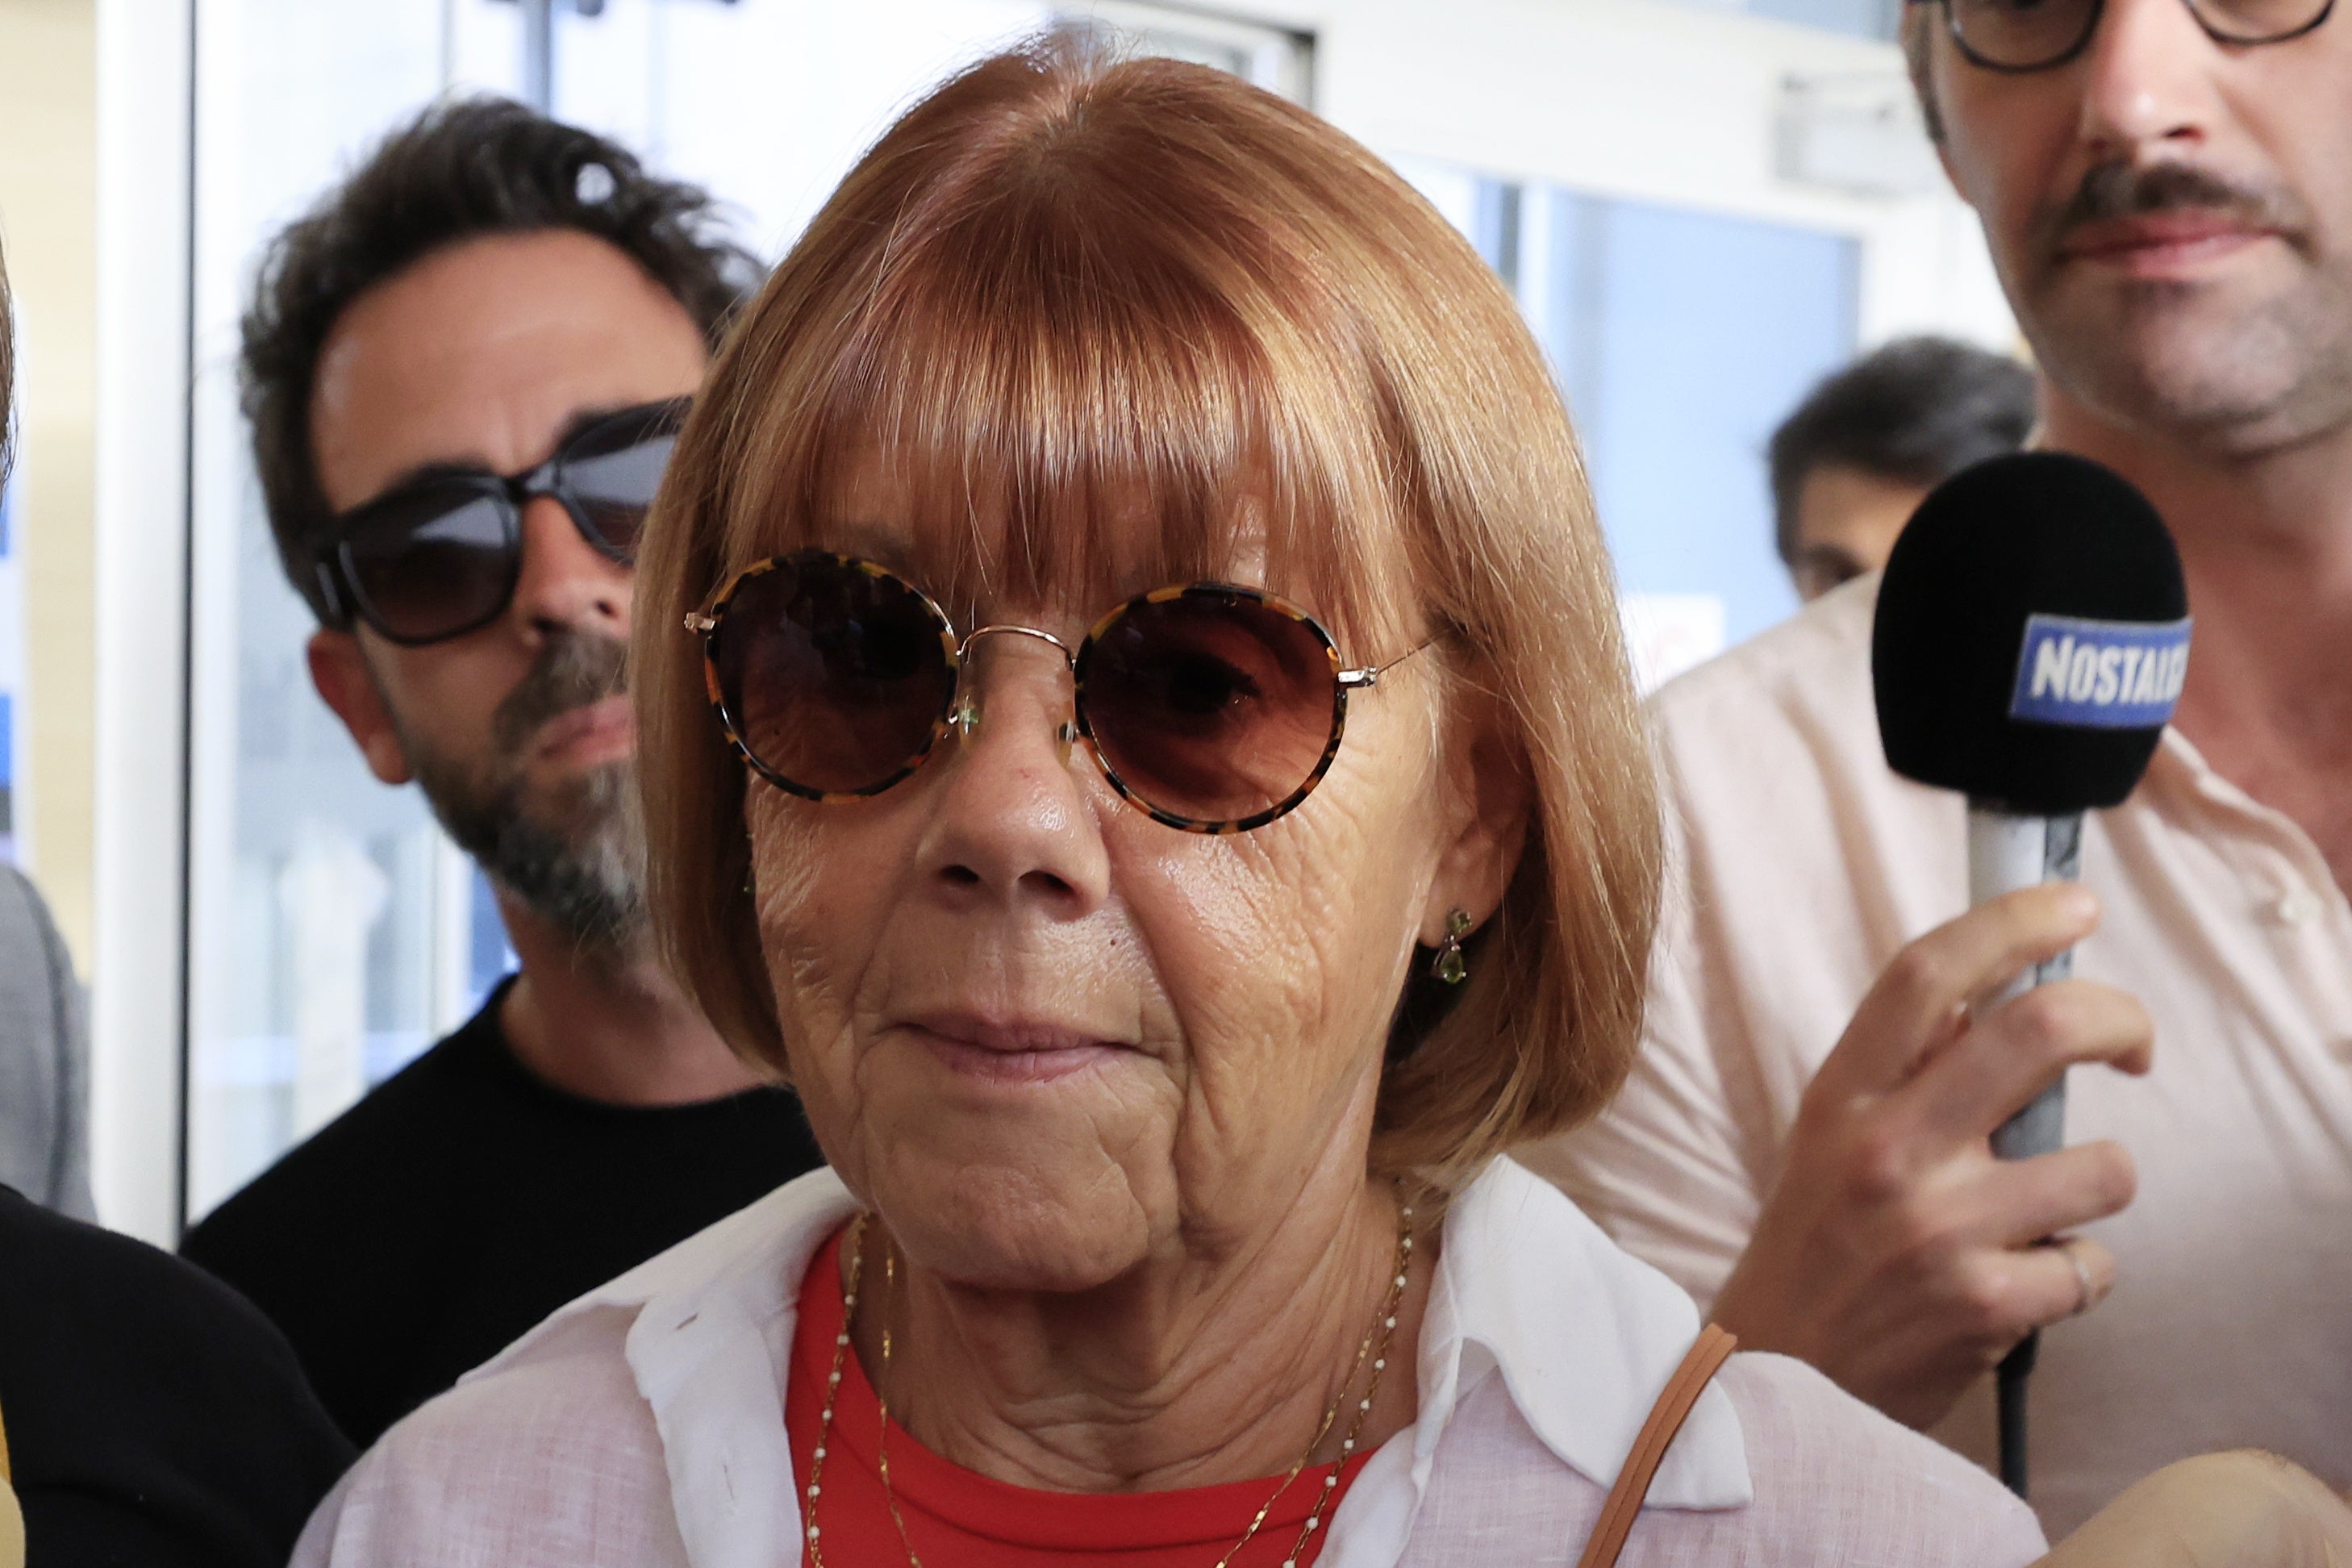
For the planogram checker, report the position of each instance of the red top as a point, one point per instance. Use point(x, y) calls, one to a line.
point(958, 1518)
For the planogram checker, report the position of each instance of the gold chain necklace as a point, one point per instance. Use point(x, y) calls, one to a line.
point(1374, 1346)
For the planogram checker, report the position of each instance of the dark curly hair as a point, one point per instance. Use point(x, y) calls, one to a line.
point(1917, 411)
point(460, 171)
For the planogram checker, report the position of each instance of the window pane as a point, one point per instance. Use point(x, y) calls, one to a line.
point(1701, 332)
point(1680, 338)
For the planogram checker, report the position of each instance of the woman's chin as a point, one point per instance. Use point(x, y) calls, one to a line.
point(1008, 1227)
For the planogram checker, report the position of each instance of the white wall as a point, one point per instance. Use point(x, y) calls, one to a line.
point(772, 101)
point(136, 962)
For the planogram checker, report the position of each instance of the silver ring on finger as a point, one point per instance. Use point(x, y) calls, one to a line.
point(2086, 1292)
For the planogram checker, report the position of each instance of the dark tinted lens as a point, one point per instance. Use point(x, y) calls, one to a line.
point(611, 470)
point(432, 561)
point(2022, 34)
point(1211, 707)
point(835, 677)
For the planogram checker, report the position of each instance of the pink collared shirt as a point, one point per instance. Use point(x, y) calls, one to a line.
point(643, 1425)
point(1801, 864)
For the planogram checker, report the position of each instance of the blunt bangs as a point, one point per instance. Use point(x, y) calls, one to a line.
point(1066, 388)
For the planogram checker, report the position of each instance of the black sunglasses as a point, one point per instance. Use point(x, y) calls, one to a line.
point(2016, 36)
point(1213, 708)
point(440, 556)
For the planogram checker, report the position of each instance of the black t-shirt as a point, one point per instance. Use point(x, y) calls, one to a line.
point(462, 1201)
point(154, 1419)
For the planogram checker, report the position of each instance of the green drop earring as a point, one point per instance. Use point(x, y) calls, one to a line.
point(1449, 965)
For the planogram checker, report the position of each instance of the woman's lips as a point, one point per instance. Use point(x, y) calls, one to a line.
point(1010, 1052)
point(602, 731)
point(2159, 245)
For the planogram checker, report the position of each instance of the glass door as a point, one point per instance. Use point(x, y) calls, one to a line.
point(334, 932)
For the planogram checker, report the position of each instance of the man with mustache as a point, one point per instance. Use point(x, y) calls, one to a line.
point(464, 370)
point(2167, 189)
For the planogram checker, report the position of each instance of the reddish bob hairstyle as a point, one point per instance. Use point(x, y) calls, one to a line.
point(1063, 284)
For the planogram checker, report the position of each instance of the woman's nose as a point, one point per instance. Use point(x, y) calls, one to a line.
point(1012, 820)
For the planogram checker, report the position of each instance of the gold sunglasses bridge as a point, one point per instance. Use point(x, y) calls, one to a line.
point(965, 717)
point(1007, 629)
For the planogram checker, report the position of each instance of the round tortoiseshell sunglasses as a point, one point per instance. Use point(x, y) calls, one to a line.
point(1214, 709)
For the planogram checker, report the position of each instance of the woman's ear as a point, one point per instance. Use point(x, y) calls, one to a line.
point(1489, 804)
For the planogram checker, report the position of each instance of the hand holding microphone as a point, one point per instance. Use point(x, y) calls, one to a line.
point(1894, 1251)
point(2031, 640)
point(2031, 636)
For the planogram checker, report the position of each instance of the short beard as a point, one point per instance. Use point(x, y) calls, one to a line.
point(575, 856)
point(2265, 377)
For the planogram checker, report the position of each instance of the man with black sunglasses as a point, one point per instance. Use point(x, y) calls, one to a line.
point(2167, 189)
point(465, 370)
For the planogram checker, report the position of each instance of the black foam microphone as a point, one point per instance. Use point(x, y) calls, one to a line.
point(2030, 641)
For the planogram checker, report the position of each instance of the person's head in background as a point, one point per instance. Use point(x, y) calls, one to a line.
point(1867, 444)
point(493, 294)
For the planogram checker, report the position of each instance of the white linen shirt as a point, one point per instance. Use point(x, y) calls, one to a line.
point(1801, 864)
point(644, 1425)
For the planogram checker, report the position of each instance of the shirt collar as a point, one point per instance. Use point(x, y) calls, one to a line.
point(1528, 1289)
point(709, 1328)
point(1583, 1335)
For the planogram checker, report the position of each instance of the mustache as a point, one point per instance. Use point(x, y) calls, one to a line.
point(2115, 190)
point(573, 671)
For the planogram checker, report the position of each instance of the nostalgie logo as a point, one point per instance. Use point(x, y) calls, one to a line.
point(2100, 675)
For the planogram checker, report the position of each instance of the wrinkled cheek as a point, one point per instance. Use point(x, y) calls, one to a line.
point(1259, 975)
point(1296, 979)
point(807, 944)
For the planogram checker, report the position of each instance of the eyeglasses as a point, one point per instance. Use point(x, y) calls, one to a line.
point(440, 557)
point(1214, 709)
point(2020, 35)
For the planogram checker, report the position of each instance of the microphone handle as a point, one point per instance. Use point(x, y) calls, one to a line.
point(2007, 851)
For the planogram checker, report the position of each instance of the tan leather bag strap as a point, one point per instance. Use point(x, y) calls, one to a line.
point(12, 1519)
point(1667, 1418)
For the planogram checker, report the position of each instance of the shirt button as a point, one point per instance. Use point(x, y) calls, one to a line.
point(2298, 906)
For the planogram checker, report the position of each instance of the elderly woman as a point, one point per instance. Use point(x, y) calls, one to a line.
point(1135, 731)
